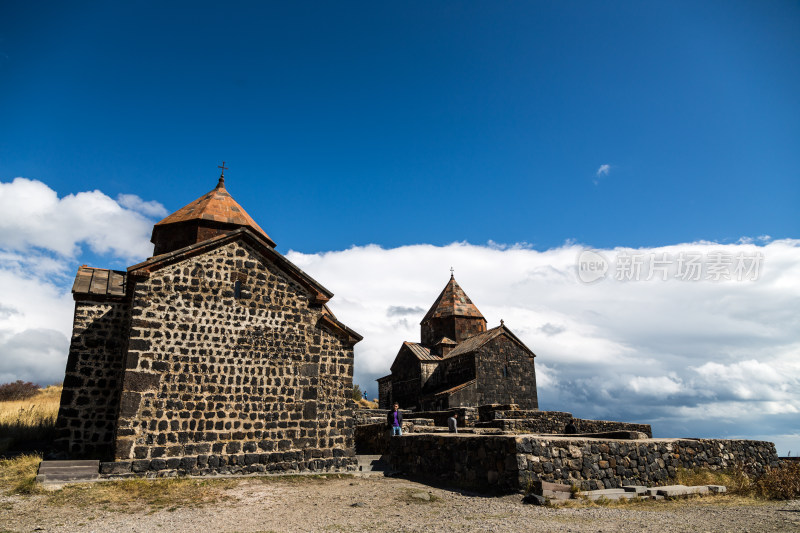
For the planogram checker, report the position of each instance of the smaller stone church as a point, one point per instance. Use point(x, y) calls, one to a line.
point(216, 354)
point(460, 363)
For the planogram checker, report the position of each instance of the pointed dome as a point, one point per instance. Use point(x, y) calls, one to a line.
point(210, 215)
point(453, 301)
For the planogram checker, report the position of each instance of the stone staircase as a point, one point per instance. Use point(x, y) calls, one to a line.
point(371, 463)
point(68, 471)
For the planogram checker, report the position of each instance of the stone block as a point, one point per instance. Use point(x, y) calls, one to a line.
point(116, 467)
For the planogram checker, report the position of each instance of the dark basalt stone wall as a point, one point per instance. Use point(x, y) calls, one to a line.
point(553, 423)
point(512, 463)
point(506, 374)
point(219, 372)
point(90, 397)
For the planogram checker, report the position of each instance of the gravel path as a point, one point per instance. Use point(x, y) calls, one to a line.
point(378, 504)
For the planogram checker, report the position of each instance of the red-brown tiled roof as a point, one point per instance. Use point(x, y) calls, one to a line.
point(218, 206)
point(452, 301)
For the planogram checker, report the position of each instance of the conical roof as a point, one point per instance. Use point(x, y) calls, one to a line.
point(453, 301)
point(215, 206)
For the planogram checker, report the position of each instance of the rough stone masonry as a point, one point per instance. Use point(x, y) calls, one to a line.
point(216, 355)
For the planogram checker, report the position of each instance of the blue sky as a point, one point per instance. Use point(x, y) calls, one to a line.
point(419, 123)
point(374, 140)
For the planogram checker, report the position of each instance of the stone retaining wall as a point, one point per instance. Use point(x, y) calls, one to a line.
point(553, 423)
point(467, 416)
point(315, 460)
point(513, 463)
point(373, 439)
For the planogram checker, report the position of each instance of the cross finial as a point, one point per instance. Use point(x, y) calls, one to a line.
point(501, 321)
point(451, 272)
point(221, 184)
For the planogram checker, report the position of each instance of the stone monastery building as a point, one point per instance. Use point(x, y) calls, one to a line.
point(215, 349)
point(460, 363)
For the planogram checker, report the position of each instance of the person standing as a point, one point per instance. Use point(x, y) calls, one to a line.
point(395, 420)
point(452, 423)
point(571, 429)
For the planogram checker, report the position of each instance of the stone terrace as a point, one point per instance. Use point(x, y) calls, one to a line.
point(509, 463)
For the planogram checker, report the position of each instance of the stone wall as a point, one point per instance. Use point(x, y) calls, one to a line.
point(373, 439)
point(406, 379)
point(513, 463)
point(385, 396)
point(467, 416)
point(456, 328)
point(240, 463)
point(90, 398)
point(212, 376)
point(610, 464)
point(453, 371)
point(553, 423)
point(506, 374)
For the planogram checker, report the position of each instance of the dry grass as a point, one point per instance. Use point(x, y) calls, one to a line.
point(363, 403)
point(135, 495)
point(29, 420)
point(18, 475)
point(782, 483)
point(735, 480)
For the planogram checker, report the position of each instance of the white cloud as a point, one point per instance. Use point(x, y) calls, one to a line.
point(134, 203)
point(672, 353)
point(33, 216)
point(603, 170)
point(41, 240)
point(693, 358)
point(660, 386)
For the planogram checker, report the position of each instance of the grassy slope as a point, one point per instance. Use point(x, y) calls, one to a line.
point(29, 420)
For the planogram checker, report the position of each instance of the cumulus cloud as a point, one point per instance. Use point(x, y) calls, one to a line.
point(134, 203)
point(32, 216)
point(37, 355)
point(662, 349)
point(712, 356)
point(42, 240)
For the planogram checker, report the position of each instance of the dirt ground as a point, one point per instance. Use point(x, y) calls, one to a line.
point(374, 504)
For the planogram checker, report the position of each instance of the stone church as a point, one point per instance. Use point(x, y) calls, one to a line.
point(217, 353)
point(459, 363)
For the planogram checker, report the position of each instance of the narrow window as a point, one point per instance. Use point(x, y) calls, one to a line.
point(238, 278)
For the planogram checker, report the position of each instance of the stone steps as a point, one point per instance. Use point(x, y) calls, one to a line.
point(371, 463)
point(558, 493)
point(67, 471)
point(608, 494)
point(678, 491)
